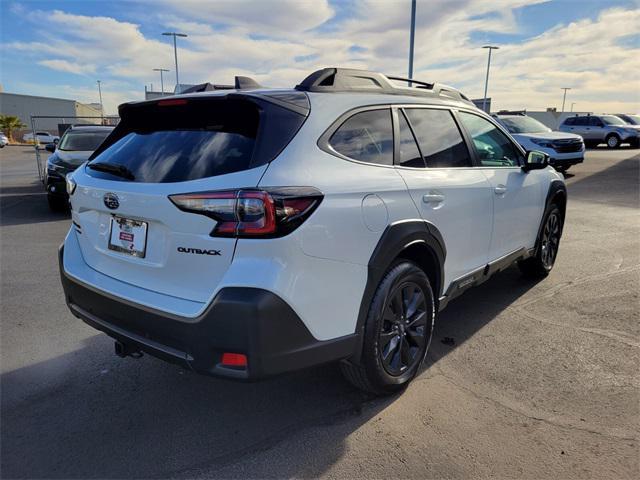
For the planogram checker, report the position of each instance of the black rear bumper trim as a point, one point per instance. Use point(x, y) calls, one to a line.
point(250, 321)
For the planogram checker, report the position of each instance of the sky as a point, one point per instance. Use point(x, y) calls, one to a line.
point(61, 48)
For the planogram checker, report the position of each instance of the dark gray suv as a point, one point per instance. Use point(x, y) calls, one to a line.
point(597, 129)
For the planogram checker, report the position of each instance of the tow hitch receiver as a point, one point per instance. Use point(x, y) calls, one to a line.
point(124, 350)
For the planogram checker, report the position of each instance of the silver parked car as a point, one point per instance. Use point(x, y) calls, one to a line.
point(597, 129)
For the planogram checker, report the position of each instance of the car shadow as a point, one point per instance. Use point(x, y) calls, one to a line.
point(89, 414)
point(22, 205)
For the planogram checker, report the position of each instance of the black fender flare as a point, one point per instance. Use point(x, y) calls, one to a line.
point(396, 238)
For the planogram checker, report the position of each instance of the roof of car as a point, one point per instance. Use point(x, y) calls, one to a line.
point(91, 128)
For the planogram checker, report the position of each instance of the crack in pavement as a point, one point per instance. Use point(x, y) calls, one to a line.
point(614, 433)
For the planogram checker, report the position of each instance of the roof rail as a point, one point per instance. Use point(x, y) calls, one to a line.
point(352, 80)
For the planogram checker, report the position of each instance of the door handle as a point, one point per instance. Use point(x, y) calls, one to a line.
point(433, 198)
point(500, 190)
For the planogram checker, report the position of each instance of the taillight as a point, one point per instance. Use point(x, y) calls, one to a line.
point(252, 213)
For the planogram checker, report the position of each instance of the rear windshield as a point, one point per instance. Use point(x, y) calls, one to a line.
point(82, 141)
point(196, 138)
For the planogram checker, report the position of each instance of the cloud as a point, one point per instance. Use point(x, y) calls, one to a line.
point(281, 42)
point(70, 67)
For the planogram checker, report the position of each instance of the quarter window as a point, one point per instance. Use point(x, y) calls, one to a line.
point(493, 147)
point(409, 153)
point(439, 138)
point(367, 137)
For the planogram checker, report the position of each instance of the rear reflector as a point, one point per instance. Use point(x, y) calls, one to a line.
point(234, 360)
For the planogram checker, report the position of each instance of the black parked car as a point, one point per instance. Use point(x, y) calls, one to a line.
point(75, 147)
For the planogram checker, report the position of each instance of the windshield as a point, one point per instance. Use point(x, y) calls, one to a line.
point(612, 120)
point(82, 141)
point(523, 125)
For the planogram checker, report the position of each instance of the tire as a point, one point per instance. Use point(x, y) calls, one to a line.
point(547, 246)
point(57, 204)
point(613, 141)
point(397, 331)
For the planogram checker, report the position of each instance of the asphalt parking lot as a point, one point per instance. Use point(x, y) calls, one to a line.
point(535, 380)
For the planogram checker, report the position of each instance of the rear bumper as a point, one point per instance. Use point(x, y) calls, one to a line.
point(251, 321)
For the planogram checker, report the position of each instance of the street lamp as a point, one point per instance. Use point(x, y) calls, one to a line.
point(101, 106)
point(572, 104)
point(412, 37)
point(175, 49)
point(564, 97)
point(161, 70)
point(486, 81)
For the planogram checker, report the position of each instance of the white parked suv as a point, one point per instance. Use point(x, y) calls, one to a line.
point(564, 149)
point(42, 137)
point(250, 232)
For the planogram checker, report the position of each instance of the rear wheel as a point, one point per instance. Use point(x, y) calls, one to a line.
point(547, 246)
point(397, 331)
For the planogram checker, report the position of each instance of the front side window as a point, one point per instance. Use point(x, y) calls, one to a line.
point(439, 138)
point(612, 120)
point(493, 147)
point(366, 137)
point(595, 122)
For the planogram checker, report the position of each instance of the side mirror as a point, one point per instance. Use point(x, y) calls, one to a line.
point(50, 147)
point(535, 161)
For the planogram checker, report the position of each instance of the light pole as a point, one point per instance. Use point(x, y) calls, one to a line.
point(412, 36)
point(161, 70)
point(486, 80)
point(564, 97)
point(101, 105)
point(175, 50)
point(572, 104)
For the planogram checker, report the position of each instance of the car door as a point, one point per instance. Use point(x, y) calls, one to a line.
point(595, 129)
point(517, 195)
point(447, 190)
point(578, 126)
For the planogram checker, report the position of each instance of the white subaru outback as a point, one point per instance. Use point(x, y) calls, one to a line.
point(249, 232)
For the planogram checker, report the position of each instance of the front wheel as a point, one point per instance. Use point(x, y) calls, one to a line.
point(547, 246)
point(613, 141)
point(397, 331)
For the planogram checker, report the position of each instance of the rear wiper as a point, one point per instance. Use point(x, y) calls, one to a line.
point(113, 169)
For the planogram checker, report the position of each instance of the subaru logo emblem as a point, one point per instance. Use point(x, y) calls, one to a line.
point(111, 201)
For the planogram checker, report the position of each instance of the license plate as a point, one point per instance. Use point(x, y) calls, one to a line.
point(128, 236)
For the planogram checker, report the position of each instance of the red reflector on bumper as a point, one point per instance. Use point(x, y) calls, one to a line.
point(234, 360)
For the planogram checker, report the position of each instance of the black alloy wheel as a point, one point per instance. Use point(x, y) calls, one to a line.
point(550, 240)
point(402, 333)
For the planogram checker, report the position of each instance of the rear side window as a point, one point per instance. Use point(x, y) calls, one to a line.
point(183, 140)
point(582, 121)
point(439, 138)
point(409, 153)
point(366, 136)
point(570, 121)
